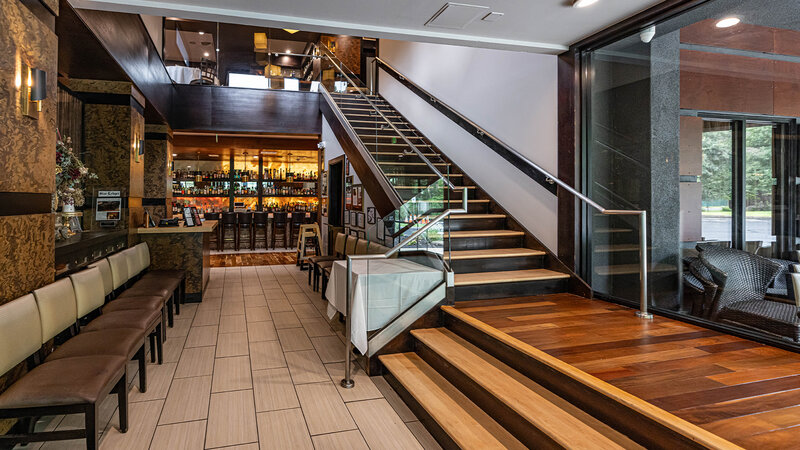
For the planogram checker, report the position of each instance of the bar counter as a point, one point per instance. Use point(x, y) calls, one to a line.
point(182, 247)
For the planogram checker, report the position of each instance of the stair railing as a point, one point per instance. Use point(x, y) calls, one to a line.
point(536, 172)
point(348, 382)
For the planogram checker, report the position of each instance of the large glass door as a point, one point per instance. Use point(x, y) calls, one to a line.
point(759, 187)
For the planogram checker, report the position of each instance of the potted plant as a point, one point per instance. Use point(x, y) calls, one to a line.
point(70, 176)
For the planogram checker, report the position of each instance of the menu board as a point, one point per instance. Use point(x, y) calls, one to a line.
point(108, 205)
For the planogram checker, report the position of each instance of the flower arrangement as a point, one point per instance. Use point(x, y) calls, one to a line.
point(70, 175)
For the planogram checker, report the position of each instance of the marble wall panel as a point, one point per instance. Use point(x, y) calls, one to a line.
point(187, 251)
point(27, 254)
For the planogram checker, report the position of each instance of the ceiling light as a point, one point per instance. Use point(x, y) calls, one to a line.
point(213, 156)
point(201, 33)
point(205, 54)
point(288, 50)
point(290, 31)
point(269, 153)
point(255, 156)
point(728, 22)
point(583, 3)
point(174, 154)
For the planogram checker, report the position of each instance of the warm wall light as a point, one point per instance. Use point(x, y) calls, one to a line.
point(583, 3)
point(728, 22)
point(38, 84)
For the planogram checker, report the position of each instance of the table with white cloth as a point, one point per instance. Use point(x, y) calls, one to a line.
point(387, 286)
point(183, 74)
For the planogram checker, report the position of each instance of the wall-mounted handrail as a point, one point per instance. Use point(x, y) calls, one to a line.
point(348, 382)
point(329, 55)
point(487, 138)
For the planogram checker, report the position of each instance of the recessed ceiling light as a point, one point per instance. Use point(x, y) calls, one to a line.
point(269, 153)
point(213, 156)
point(728, 22)
point(201, 33)
point(290, 31)
point(205, 54)
point(583, 3)
point(288, 50)
point(174, 154)
point(255, 157)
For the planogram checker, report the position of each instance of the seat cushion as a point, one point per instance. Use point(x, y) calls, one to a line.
point(69, 381)
point(142, 319)
point(120, 342)
point(319, 259)
point(167, 283)
point(128, 303)
point(326, 264)
point(773, 317)
point(141, 289)
point(179, 274)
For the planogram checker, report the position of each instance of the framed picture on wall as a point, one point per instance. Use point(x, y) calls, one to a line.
point(324, 184)
point(358, 197)
point(362, 234)
point(371, 215)
point(353, 232)
point(381, 233)
point(360, 219)
point(347, 217)
point(348, 197)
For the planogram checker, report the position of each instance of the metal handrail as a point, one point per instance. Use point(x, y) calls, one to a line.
point(386, 119)
point(348, 382)
point(552, 179)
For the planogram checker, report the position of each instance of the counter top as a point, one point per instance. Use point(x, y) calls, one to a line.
point(207, 227)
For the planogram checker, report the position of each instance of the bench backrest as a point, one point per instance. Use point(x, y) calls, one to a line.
point(374, 248)
point(119, 269)
point(57, 308)
point(361, 247)
point(105, 273)
point(144, 255)
point(338, 244)
point(134, 262)
point(350, 245)
point(89, 291)
point(20, 331)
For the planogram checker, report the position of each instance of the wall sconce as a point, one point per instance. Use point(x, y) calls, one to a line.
point(32, 85)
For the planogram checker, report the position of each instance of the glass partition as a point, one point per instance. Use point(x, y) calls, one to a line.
point(695, 121)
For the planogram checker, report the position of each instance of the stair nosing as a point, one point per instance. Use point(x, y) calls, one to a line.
point(483, 278)
point(461, 255)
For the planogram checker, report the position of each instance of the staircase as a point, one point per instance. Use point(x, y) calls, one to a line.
point(491, 255)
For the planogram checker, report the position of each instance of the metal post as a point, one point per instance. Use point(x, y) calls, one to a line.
point(642, 313)
point(348, 382)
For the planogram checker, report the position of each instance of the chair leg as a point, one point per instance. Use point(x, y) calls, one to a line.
point(122, 398)
point(140, 356)
point(236, 238)
point(152, 347)
point(170, 311)
point(160, 345)
point(92, 428)
point(177, 300)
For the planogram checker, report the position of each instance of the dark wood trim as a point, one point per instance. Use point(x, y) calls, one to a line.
point(659, 12)
point(382, 193)
point(154, 201)
point(24, 203)
point(153, 136)
point(738, 181)
point(568, 138)
point(42, 12)
point(506, 152)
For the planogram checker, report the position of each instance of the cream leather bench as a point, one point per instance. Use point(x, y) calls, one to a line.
point(124, 269)
point(66, 385)
point(178, 275)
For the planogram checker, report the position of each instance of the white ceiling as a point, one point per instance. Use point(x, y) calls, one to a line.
point(545, 26)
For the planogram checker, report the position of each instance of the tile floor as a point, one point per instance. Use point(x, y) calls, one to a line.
point(255, 366)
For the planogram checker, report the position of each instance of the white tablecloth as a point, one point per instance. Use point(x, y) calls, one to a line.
point(183, 74)
point(390, 286)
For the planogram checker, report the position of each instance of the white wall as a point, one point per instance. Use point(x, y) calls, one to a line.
point(512, 95)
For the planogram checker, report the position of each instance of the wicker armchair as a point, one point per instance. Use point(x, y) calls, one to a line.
point(699, 282)
point(742, 281)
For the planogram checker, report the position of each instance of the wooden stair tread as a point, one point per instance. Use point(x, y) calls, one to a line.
point(389, 144)
point(482, 233)
point(560, 368)
point(476, 216)
point(449, 175)
point(426, 187)
point(613, 230)
point(457, 415)
point(504, 384)
point(629, 269)
point(494, 253)
point(609, 248)
point(507, 276)
point(395, 163)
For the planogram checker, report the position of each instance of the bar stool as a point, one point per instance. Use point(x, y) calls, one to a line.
point(228, 225)
point(308, 237)
point(279, 228)
point(214, 236)
point(297, 219)
point(245, 224)
point(260, 223)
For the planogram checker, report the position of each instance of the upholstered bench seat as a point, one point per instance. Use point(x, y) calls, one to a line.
point(134, 302)
point(773, 317)
point(139, 319)
point(69, 381)
point(150, 287)
point(120, 342)
point(177, 274)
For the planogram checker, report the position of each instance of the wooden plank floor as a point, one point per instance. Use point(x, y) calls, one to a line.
point(746, 392)
point(253, 259)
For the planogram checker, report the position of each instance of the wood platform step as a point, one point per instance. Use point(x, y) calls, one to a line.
point(466, 424)
point(545, 414)
point(468, 234)
point(495, 253)
point(507, 276)
point(476, 216)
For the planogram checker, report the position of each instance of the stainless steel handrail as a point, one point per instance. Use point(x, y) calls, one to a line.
point(643, 296)
point(386, 119)
point(348, 382)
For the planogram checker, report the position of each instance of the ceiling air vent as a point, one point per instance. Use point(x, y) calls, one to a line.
point(456, 15)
